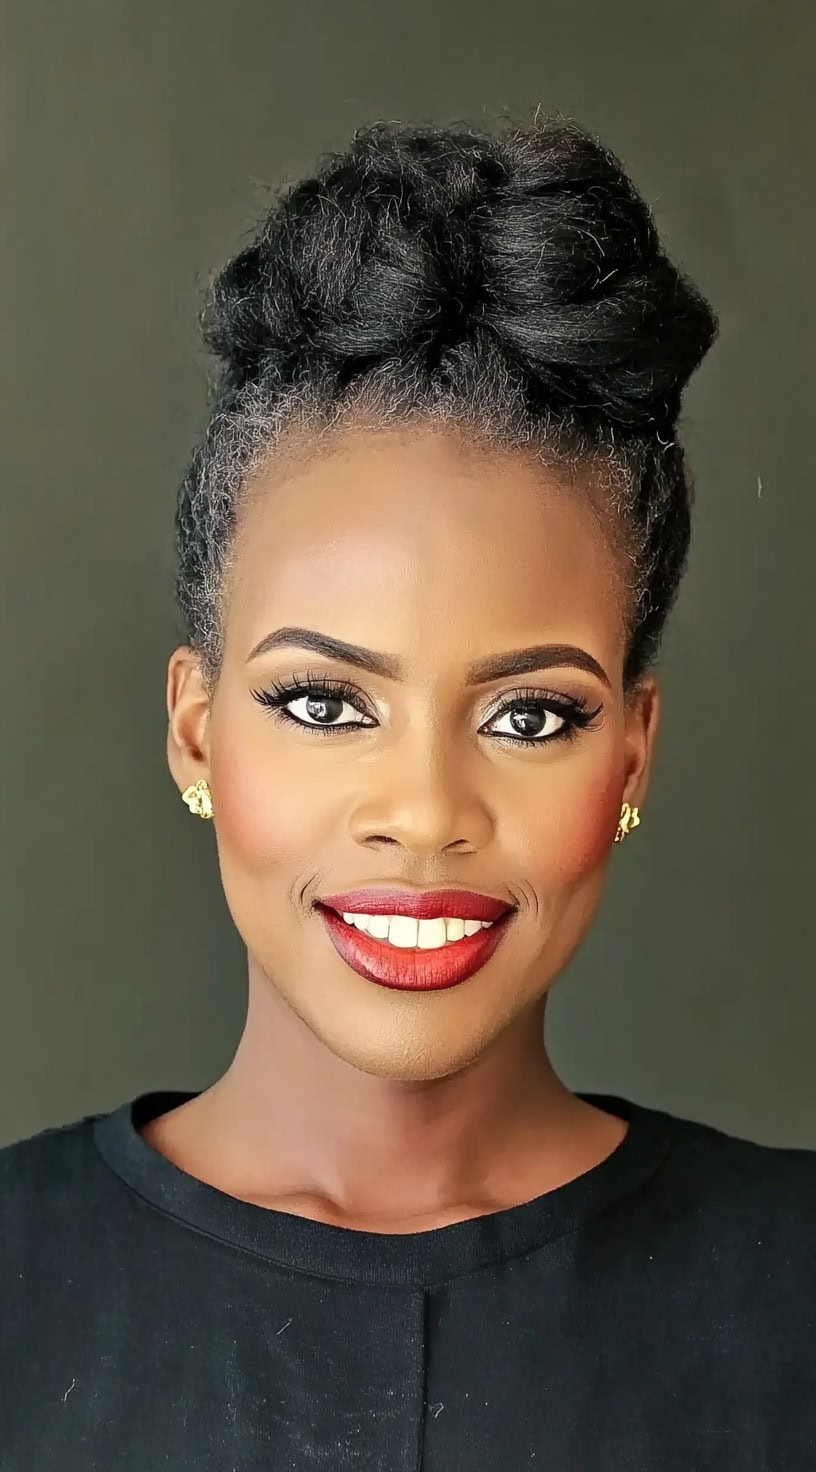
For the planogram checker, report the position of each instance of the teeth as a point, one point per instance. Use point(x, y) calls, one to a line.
point(424, 935)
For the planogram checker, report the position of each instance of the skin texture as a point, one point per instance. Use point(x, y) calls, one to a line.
point(345, 1101)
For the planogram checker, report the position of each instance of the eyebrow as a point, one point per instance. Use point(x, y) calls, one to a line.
point(492, 667)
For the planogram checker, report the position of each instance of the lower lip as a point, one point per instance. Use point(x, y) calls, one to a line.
point(412, 969)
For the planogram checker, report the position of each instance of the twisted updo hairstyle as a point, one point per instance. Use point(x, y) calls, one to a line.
point(511, 285)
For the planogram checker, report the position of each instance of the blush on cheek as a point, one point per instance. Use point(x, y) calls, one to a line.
point(260, 822)
point(587, 833)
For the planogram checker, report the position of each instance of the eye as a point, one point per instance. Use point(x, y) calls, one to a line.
point(538, 717)
point(321, 700)
point(535, 717)
point(321, 710)
point(533, 723)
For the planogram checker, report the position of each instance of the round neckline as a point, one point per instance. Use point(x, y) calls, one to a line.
point(409, 1259)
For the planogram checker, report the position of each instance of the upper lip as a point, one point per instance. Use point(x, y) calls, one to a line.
point(428, 904)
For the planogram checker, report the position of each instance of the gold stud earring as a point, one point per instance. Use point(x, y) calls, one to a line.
point(199, 799)
point(629, 819)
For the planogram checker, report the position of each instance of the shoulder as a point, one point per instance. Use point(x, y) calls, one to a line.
point(738, 1186)
point(23, 1160)
point(45, 1181)
point(63, 1219)
point(703, 1144)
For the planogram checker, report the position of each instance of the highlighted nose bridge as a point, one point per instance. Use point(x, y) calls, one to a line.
point(424, 791)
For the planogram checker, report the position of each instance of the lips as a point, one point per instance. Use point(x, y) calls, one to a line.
point(466, 904)
point(412, 969)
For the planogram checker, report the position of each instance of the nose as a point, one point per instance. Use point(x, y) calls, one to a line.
point(424, 796)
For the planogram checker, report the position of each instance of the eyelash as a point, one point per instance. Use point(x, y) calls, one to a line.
point(574, 712)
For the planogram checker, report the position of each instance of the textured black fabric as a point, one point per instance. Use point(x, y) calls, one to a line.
point(658, 1314)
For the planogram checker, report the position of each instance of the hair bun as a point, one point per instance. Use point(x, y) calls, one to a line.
point(411, 242)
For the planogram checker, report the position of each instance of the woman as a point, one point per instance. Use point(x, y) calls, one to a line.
point(426, 551)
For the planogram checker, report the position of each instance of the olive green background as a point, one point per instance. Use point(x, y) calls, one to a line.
point(140, 141)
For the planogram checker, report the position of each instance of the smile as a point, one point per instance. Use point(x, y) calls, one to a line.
point(407, 933)
point(407, 954)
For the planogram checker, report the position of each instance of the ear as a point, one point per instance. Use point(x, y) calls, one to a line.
point(188, 711)
point(641, 722)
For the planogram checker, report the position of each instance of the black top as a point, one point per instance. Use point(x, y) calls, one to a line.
point(657, 1314)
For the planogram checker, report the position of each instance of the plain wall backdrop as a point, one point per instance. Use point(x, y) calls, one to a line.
point(140, 143)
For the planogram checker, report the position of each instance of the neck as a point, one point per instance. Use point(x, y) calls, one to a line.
point(291, 1125)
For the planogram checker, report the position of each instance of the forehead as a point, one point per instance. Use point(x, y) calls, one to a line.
point(406, 538)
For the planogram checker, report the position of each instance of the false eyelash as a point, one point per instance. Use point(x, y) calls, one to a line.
point(574, 711)
point(280, 694)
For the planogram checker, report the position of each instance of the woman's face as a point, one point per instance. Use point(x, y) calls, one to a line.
point(436, 554)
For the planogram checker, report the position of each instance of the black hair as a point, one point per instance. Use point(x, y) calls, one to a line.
point(514, 285)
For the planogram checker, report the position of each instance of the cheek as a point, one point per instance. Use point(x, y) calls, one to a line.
point(593, 829)
point(578, 832)
point(259, 820)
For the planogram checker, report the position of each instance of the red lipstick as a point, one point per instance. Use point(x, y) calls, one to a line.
point(413, 968)
point(426, 905)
